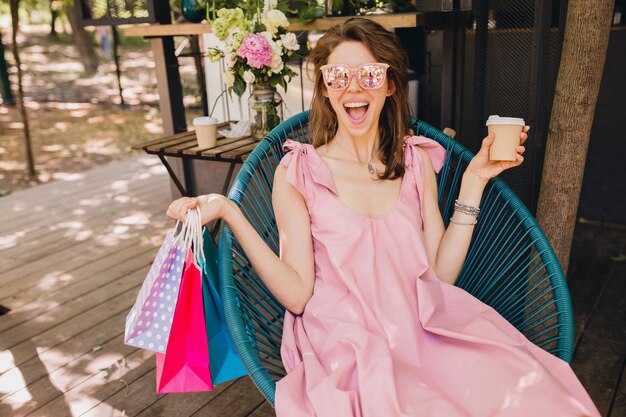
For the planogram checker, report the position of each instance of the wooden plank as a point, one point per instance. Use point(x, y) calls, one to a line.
point(78, 205)
point(141, 399)
point(24, 212)
point(171, 141)
point(220, 142)
point(221, 149)
point(264, 410)
point(155, 142)
point(237, 153)
point(78, 226)
point(15, 335)
point(127, 169)
point(130, 401)
point(37, 234)
point(78, 371)
point(124, 170)
point(179, 29)
point(619, 404)
point(27, 305)
point(182, 147)
point(600, 353)
point(21, 204)
point(239, 400)
point(44, 226)
point(105, 333)
point(118, 378)
point(64, 328)
point(171, 405)
point(43, 257)
point(390, 21)
point(587, 284)
point(53, 270)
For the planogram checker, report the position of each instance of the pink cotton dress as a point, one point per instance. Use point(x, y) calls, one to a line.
point(382, 336)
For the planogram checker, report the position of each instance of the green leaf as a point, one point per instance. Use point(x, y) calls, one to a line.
point(337, 5)
point(310, 14)
point(619, 258)
point(239, 87)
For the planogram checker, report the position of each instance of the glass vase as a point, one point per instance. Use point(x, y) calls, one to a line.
point(265, 108)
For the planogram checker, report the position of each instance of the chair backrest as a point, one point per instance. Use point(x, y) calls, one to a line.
point(510, 264)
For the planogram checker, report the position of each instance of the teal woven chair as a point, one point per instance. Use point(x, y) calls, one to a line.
point(510, 265)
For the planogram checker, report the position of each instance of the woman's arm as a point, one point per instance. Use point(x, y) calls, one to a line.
point(289, 277)
point(447, 248)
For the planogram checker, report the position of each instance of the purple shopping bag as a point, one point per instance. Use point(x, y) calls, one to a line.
point(149, 322)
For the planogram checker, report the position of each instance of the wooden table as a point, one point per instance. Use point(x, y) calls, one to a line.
point(185, 145)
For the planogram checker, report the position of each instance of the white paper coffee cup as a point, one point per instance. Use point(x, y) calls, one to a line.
point(507, 137)
point(206, 131)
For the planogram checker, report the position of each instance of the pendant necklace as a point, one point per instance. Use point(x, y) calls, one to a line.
point(370, 167)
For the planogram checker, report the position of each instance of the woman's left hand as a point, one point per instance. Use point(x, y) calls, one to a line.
point(483, 168)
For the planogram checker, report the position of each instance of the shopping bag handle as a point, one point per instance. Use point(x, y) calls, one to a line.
point(190, 236)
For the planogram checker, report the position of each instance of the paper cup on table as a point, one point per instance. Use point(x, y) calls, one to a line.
point(206, 131)
point(507, 131)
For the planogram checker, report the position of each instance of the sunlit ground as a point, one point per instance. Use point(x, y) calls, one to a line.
point(75, 121)
point(62, 343)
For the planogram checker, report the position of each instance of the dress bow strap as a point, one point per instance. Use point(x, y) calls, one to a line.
point(304, 165)
point(436, 152)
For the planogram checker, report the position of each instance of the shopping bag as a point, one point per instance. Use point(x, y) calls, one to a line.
point(148, 322)
point(225, 362)
point(185, 365)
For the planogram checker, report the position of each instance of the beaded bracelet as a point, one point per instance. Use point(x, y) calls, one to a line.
point(463, 223)
point(465, 209)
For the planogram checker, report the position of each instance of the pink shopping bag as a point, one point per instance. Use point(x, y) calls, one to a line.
point(185, 365)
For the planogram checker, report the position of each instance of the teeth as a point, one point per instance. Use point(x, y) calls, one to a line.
point(357, 104)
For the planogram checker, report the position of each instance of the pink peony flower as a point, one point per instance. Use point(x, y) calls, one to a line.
point(257, 50)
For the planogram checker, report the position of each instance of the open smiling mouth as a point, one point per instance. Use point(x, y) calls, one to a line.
point(356, 111)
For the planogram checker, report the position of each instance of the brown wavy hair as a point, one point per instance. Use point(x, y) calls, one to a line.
point(394, 122)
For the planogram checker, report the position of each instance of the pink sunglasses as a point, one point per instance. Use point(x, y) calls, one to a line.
point(369, 76)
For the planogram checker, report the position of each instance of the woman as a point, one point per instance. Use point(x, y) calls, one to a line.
point(374, 326)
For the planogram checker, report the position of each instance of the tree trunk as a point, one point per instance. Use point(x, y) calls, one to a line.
point(5, 84)
point(53, 18)
point(85, 47)
point(28, 149)
point(585, 43)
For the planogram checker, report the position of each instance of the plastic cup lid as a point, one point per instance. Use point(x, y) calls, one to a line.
point(497, 120)
point(204, 121)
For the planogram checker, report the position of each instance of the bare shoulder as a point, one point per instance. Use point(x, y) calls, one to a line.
point(280, 179)
point(285, 193)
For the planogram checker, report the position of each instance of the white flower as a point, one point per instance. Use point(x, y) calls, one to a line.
point(248, 77)
point(269, 5)
point(267, 36)
point(274, 19)
point(231, 59)
point(290, 41)
point(277, 64)
point(229, 78)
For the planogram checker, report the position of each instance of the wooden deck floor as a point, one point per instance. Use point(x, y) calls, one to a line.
point(74, 253)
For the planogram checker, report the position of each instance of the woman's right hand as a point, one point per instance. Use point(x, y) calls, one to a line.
point(212, 207)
